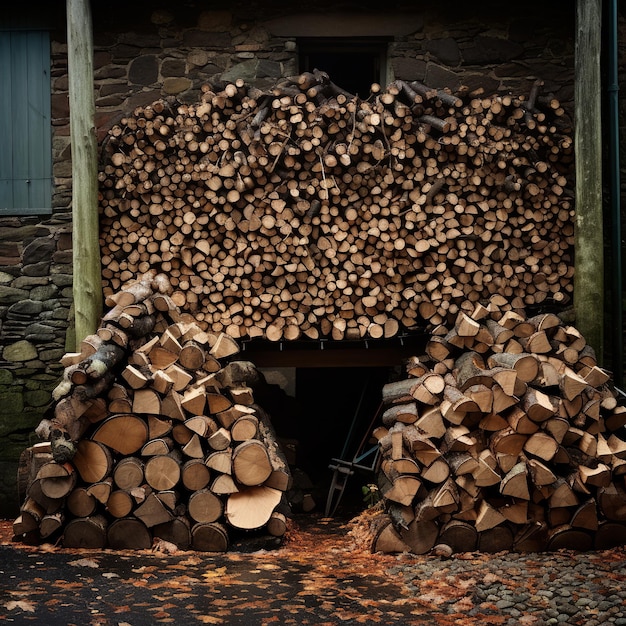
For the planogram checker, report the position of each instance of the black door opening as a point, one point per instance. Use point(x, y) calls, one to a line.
point(331, 413)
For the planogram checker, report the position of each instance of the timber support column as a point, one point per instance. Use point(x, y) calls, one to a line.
point(589, 238)
point(87, 289)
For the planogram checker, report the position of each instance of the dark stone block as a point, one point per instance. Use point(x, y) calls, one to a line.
point(445, 50)
point(481, 81)
point(441, 77)
point(53, 355)
point(37, 397)
point(101, 61)
point(512, 70)
point(190, 96)
point(9, 249)
point(38, 250)
point(37, 269)
point(60, 268)
point(210, 73)
point(142, 99)
point(10, 294)
point(145, 40)
point(39, 333)
point(60, 105)
point(267, 68)
point(26, 307)
point(113, 89)
point(63, 257)
point(124, 52)
point(144, 70)
point(405, 68)
point(110, 72)
point(61, 84)
point(12, 405)
point(486, 50)
point(30, 282)
point(173, 67)
point(65, 241)
point(204, 39)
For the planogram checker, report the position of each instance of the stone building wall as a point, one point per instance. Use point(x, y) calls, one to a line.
point(142, 54)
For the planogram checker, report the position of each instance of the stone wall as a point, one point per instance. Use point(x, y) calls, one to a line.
point(142, 54)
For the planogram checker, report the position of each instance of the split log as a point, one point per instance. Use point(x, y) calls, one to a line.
point(81, 503)
point(252, 508)
point(56, 481)
point(176, 531)
point(205, 506)
point(128, 534)
point(251, 463)
point(124, 433)
point(209, 537)
point(120, 503)
point(86, 532)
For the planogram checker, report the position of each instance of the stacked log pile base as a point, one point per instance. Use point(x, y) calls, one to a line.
point(155, 434)
point(505, 435)
point(305, 212)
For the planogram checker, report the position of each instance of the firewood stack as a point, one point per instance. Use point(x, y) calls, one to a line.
point(155, 434)
point(505, 435)
point(305, 212)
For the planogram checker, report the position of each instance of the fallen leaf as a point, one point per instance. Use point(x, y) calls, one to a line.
point(215, 573)
point(84, 563)
point(29, 607)
point(209, 619)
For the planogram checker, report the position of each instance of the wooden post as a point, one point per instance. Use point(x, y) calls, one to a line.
point(85, 241)
point(589, 241)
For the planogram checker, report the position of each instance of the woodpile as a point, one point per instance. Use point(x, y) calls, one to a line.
point(155, 434)
point(305, 212)
point(505, 435)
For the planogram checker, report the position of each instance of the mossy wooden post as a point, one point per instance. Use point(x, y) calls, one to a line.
point(589, 238)
point(85, 238)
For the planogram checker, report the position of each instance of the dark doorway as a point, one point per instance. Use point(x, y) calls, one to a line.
point(331, 417)
point(338, 405)
point(352, 64)
point(324, 398)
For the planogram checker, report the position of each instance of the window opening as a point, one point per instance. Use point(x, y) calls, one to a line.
point(353, 64)
point(25, 121)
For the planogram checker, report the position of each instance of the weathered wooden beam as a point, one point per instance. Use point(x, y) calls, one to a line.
point(589, 238)
point(87, 289)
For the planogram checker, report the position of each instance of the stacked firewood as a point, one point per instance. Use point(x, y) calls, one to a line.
point(505, 435)
point(155, 433)
point(305, 212)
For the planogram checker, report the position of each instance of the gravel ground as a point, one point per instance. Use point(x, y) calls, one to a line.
point(540, 588)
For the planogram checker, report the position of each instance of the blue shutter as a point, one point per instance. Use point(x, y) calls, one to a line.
point(26, 150)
